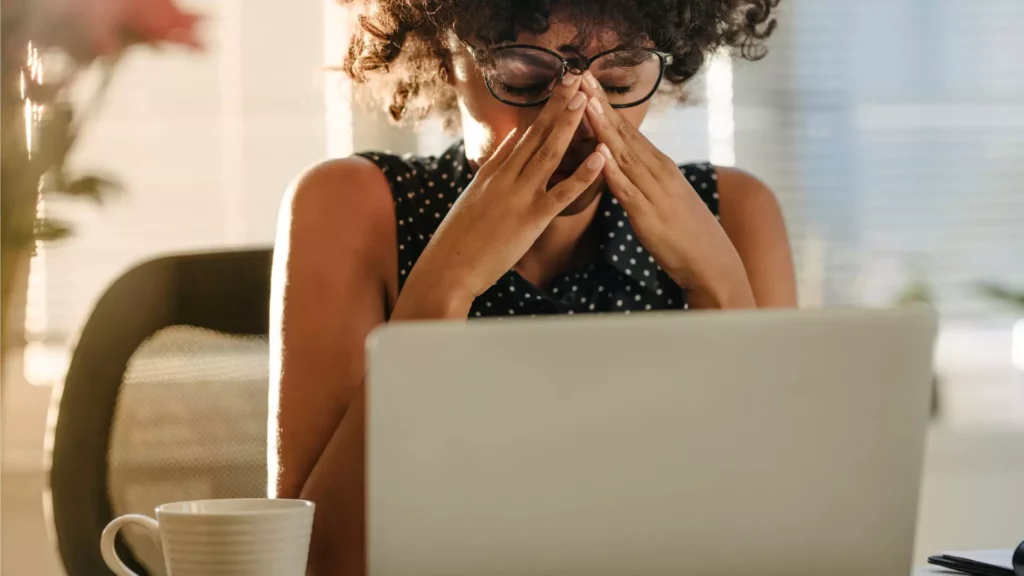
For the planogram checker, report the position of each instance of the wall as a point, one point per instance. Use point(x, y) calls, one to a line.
point(205, 144)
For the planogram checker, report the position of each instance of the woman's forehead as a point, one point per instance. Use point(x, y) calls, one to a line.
point(569, 37)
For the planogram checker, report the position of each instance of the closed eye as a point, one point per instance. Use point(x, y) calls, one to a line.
point(617, 90)
point(523, 90)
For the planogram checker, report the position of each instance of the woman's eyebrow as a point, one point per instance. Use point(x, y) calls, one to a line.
point(577, 49)
point(624, 58)
point(536, 59)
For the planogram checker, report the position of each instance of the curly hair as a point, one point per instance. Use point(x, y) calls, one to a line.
point(400, 48)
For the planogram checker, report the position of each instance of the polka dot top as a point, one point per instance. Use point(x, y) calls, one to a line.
point(623, 277)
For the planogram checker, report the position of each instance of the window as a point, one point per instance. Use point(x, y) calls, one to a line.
point(205, 145)
point(893, 133)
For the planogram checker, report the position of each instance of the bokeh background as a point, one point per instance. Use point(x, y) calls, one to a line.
point(891, 130)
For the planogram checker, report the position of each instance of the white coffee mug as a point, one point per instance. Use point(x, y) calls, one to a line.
point(251, 537)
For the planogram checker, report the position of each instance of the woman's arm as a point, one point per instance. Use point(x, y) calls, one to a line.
point(753, 221)
point(333, 256)
point(328, 292)
point(335, 271)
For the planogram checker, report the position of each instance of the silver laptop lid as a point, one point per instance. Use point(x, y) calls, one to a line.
point(697, 443)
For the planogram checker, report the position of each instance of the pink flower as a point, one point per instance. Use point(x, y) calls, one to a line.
point(160, 21)
point(87, 29)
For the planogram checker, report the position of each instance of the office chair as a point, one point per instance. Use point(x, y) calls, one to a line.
point(165, 400)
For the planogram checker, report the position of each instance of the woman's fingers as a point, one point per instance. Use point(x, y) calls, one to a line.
point(501, 154)
point(624, 190)
point(545, 160)
point(627, 160)
point(538, 131)
point(629, 134)
point(636, 155)
point(561, 196)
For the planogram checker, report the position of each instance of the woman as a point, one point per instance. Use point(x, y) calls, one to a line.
point(553, 203)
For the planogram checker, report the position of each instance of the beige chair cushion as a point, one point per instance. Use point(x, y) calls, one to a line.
point(190, 424)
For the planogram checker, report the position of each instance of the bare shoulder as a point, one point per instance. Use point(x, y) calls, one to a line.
point(742, 194)
point(337, 208)
point(753, 220)
point(345, 190)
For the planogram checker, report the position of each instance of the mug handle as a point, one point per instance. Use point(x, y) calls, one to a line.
point(110, 537)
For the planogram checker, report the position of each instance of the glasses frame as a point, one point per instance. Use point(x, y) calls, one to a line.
point(569, 66)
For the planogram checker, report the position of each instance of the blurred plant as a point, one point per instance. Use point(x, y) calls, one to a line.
point(1015, 299)
point(917, 290)
point(46, 46)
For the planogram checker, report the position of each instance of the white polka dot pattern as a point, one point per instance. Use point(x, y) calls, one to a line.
point(631, 282)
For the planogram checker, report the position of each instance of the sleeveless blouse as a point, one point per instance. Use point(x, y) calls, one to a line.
point(623, 277)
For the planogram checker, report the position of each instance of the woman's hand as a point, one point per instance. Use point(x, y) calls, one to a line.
point(502, 212)
point(669, 217)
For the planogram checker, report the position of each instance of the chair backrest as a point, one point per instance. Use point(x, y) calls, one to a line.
point(165, 399)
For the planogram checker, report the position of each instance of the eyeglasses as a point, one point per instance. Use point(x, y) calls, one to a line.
point(524, 75)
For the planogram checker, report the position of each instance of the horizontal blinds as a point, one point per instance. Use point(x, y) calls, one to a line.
point(893, 132)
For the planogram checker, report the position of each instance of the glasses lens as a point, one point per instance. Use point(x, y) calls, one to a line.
point(628, 76)
point(524, 75)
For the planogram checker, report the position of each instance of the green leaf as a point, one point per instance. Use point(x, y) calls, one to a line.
point(917, 292)
point(94, 187)
point(48, 230)
point(1003, 294)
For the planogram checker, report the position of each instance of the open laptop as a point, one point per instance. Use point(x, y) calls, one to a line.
point(697, 444)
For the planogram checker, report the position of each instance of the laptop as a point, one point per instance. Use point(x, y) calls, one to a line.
point(699, 444)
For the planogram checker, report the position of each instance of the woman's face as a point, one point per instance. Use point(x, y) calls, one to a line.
point(486, 121)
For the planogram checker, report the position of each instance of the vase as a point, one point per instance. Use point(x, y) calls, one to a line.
point(21, 176)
